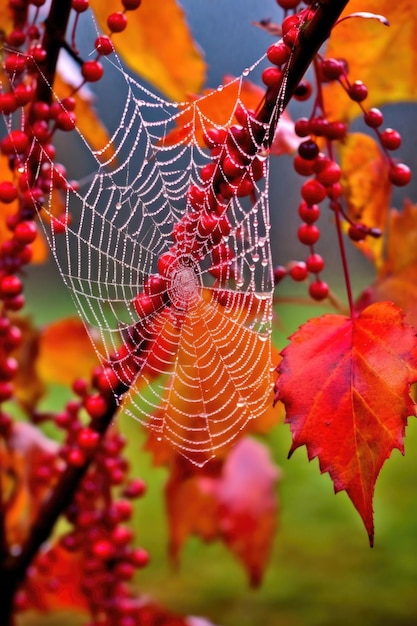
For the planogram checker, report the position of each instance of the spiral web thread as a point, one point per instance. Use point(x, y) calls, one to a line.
point(198, 370)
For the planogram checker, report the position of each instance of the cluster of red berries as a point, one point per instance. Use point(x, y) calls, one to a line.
point(30, 150)
point(102, 505)
point(315, 158)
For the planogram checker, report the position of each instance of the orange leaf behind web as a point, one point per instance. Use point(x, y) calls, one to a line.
point(215, 107)
point(158, 45)
point(385, 59)
point(345, 385)
point(213, 393)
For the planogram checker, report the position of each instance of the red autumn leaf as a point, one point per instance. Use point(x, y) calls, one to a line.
point(234, 501)
point(345, 385)
point(56, 583)
point(26, 452)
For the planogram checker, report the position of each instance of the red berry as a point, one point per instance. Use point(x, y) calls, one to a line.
point(10, 285)
point(145, 305)
point(315, 263)
point(139, 557)
point(303, 166)
point(65, 120)
point(92, 71)
point(373, 118)
point(122, 510)
point(302, 127)
point(6, 391)
point(8, 103)
point(358, 91)
point(332, 69)
point(15, 141)
point(135, 488)
point(103, 549)
point(279, 273)
point(308, 234)
point(131, 5)
point(87, 438)
point(166, 263)
point(313, 192)
point(298, 271)
point(288, 4)
point(8, 192)
point(23, 93)
point(303, 91)
point(318, 290)
point(390, 139)
point(271, 76)
point(308, 149)
point(290, 38)
point(357, 232)
point(75, 457)
point(96, 406)
point(117, 22)
point(104, 45)
point(399, 174)
point(309, 213)
point(330, 174)
point(278, 53)
point(79, 5)
point(25, 231)
point(291, 21)
point(15, 63)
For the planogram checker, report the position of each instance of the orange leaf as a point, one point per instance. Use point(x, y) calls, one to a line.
point(397, 276)
point(215, 107)
point(366, 188)
point(385, 59)
point(65, 352)
point(157, 44)
point(346, 388)
point(29, 386)
point(233, 501)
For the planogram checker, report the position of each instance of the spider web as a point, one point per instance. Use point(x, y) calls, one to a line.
point(197, 369)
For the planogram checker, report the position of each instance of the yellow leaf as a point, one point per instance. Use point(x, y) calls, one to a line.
point(385, 59)
point(366, 188)
point(157, 44)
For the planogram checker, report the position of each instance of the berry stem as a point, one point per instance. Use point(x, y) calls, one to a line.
point(337, 212)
